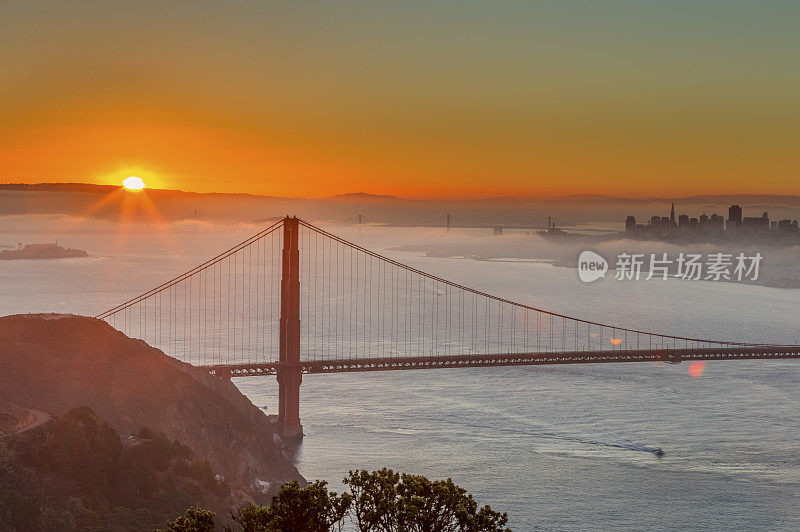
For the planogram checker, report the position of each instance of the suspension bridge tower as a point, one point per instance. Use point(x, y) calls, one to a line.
point(290, 375)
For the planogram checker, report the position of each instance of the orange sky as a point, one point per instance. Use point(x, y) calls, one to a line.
point(452, 100)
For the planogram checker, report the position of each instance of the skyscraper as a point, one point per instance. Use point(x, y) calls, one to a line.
point(735, 213)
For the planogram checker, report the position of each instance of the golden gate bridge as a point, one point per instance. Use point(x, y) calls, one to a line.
point(295, 299)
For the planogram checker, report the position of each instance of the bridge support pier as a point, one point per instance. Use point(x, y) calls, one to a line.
point(289, 375)
point(289, 403)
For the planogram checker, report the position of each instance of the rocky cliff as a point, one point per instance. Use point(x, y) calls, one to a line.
point(53, 362)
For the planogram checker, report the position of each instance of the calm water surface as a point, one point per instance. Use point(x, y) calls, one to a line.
point(556, 447)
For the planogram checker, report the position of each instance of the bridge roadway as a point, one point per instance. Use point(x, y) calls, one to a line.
point(347, 365)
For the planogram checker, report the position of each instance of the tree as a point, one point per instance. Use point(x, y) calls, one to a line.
point(381, 501)
point(194, 520)
point(374, 499)
point(20, 497)
point(384, 501)
point(309, 509)
point(86, 449)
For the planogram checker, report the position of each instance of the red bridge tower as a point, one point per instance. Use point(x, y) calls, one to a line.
point(290, 375)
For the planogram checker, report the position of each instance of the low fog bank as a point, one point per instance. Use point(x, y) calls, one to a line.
point(63, 224)
point(779, 267)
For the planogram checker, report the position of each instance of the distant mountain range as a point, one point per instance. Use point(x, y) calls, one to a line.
point(60, 187)
point(715, 199)
point(364, 196)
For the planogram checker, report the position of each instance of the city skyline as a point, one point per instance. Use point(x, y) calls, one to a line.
point(704, 226)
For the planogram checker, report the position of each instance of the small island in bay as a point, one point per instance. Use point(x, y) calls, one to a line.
point(41, 251)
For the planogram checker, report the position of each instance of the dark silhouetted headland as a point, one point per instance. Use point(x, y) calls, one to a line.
point(54, 363)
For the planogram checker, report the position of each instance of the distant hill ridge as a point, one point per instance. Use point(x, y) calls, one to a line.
point(364, 196)
point(89, 188)
point(60, 187)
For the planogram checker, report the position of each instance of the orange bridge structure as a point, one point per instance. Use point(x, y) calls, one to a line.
point(295, 299)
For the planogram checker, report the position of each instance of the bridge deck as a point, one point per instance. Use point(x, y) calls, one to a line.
point(511, 359)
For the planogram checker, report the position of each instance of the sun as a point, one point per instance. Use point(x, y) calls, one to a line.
point(133, 183)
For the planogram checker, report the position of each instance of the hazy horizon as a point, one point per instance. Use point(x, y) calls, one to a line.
point(54, 186)
point(151, 206)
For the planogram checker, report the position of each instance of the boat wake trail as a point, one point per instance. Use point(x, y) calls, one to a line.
point(626, 445)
